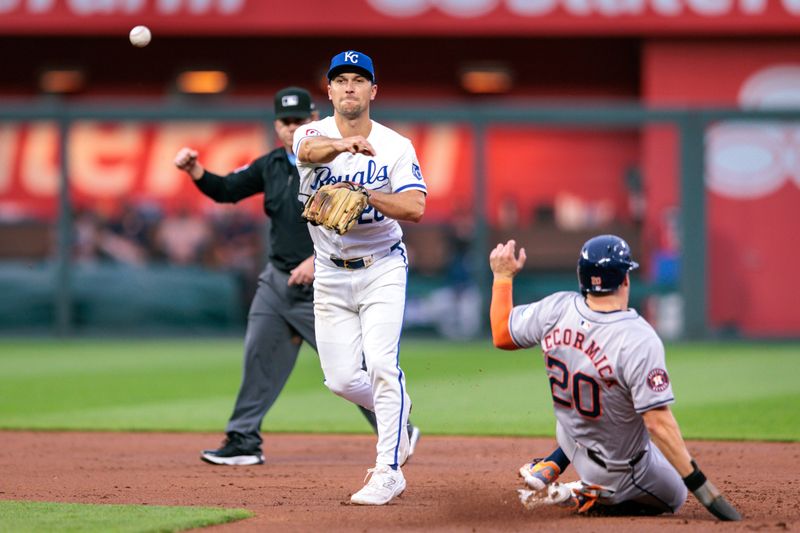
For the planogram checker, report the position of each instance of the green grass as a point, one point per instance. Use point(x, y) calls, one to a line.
point(724, 390)
point(22, 517)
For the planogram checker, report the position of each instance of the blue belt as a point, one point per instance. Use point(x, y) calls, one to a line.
point(362, 262)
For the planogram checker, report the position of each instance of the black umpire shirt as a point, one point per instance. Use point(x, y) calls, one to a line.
point(277, 178)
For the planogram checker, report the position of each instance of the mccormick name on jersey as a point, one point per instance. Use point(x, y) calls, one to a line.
point(324, 176)
point(577, 340)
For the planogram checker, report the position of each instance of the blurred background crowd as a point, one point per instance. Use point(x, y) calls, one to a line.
point(547, 122)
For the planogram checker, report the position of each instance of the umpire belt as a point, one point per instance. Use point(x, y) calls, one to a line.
point(615, 466)
point(362, 262)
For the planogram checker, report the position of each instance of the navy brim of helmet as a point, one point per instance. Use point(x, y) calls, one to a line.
point(332, 73)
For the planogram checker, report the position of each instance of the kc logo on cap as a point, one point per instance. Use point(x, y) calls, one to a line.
point(352, 61)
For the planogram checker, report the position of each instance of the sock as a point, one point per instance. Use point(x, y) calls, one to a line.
point(558, 457)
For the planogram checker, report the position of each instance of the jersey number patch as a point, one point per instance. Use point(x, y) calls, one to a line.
point(576, 390)
point(369, 215)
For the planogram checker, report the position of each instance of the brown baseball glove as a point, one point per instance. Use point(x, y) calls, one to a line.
point(336, 207)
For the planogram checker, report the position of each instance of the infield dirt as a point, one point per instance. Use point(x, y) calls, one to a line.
point(454, 483)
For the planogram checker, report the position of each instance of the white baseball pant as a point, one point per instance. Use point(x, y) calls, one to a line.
point(361, 311)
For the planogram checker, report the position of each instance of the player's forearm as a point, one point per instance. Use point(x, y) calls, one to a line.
point(666, 434)
point(664, 431)
point(499, 311)
point(317, 150)
point(407, 205)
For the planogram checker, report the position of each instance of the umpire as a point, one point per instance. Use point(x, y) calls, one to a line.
point(282, 311)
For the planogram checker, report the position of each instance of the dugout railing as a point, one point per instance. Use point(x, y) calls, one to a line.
point(690, 124)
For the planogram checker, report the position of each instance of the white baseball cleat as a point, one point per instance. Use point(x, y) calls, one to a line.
point(539, 473)
point(553, 494)
point(577, 495)
point(382, 487)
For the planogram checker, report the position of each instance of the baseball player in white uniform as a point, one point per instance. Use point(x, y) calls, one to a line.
point(610, 387)
point(360, 277)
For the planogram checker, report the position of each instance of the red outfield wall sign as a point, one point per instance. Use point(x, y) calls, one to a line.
point(577, 174)
point(403, 17)
point(752, 175)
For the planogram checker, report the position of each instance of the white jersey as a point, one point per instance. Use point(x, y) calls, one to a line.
point(605, 369)
point(393, 169)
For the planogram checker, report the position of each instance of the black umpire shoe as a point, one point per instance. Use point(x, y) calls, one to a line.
point(233, 453)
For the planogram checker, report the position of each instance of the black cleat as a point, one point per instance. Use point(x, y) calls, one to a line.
point(233, 453)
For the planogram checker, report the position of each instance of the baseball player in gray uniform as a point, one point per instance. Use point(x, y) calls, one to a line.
point(610, 387)
point(360, 276)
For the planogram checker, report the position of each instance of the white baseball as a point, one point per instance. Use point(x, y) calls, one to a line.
point(140, 36)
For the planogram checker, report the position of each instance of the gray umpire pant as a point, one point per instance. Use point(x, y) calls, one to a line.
point(280, 316)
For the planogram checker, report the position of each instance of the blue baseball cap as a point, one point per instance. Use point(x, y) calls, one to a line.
point(352, 61)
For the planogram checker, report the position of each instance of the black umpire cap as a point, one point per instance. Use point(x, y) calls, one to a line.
point(293, 102)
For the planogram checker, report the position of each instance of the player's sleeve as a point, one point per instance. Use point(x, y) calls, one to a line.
point(527, 323)
point(499, 312)
point(406, 174)
point(644, 370)
point(301, 134)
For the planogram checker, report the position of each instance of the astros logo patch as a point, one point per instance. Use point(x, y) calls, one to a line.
point(658, 380)
point(312, 131)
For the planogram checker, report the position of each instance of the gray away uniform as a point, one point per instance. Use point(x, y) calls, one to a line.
point(605, 370)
